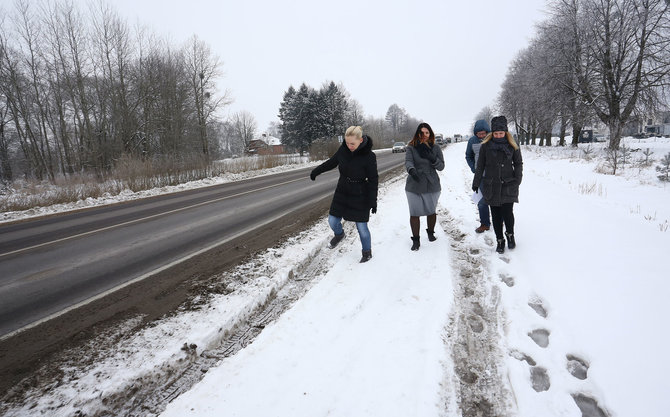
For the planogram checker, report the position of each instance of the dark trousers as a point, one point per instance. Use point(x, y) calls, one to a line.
point(483, 208)
point(500, 214)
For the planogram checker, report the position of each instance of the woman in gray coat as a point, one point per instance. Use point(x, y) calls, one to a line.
point(422, 161)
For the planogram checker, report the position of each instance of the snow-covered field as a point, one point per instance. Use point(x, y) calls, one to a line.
point(574, 315)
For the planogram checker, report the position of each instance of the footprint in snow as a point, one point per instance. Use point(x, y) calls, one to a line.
point(476, 324)
point(539, 378)
point(509, 281)
point(589, 406)
point(537, 304)
point(577, 367)
point(466, 375)
point(540, 337)
point(520, 356)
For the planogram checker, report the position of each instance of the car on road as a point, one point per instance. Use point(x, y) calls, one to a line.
point(439, 139)
point(398, 147)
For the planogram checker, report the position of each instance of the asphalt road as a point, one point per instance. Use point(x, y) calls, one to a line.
point(55, 264)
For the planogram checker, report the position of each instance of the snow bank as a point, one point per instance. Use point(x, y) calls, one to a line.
point(365, 341)
point(592, 261)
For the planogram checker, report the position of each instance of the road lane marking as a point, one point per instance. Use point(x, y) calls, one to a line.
point(164, 267)
point(90, 232)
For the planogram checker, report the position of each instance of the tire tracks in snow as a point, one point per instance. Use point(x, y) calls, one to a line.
point(475, 331)
point(150, 397)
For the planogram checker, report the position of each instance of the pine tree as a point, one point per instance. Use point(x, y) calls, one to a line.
point(664, 168)
point(335, 107)
point(302, 117)
point(287, 115)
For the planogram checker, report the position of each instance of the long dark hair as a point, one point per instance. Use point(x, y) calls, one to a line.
point(417, 136)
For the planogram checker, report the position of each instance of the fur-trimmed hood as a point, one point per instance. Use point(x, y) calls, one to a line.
point(363, 148)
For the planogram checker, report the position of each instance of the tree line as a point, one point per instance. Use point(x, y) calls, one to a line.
point(80, 89)
point(591, 60)
point(308, 115)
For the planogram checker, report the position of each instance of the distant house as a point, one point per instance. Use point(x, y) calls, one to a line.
point(655, 124)
point(265, 145)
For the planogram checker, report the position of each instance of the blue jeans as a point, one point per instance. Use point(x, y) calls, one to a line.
point(363, 231)
point(483, 207)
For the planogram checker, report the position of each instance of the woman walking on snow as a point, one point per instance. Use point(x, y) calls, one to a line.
point(356, 191)
point(422, 161)
point(499, 172)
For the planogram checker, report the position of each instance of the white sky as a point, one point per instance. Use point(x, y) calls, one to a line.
point(440, 60)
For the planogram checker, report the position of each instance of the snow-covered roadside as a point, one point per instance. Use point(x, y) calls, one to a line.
point(148, 357)
point(365, 340)
point(586, 281)
point(590, 263)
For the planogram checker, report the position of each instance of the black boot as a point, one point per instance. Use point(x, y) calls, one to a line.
point(501, 246)
point(510, 240)
point(431, 235)
point(416, 243)
point(335, 240)
point(367, 255)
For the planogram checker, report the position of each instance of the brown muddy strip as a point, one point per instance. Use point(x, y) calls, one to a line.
point(475, 331)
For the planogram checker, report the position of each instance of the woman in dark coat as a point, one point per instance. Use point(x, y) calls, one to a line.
point(356, 191)
point(422, 161)
point(499, 172)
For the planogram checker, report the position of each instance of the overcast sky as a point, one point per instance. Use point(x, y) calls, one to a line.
point(440, 60)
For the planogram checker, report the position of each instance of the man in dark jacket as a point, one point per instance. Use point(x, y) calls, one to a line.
point(356, 191)
point(481, 129)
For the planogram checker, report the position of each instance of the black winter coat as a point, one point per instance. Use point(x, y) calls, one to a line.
point(356, 191)
point(497, 175)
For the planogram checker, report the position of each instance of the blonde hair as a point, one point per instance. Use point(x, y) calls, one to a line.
point(509, 137)
point(356, 131)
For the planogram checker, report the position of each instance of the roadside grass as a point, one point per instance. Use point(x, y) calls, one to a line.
point(130, 175)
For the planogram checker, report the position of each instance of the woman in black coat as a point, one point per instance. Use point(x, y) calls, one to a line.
point(499, 172)
point(356, 191)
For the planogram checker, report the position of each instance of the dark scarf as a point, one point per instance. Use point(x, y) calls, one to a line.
point(501, 144)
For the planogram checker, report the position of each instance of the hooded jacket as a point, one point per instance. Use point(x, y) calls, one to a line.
point(429, 181)
point(472, 150)
point(356, 191)
point(499, 173)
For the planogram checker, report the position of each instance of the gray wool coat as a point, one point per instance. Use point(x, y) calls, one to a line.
point(429, 180)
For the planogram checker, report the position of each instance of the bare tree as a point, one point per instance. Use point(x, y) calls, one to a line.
point(626, 43)
point(274, 129)
point(396, 117)
point(83, 89)
point(244, 127)
point(203, 69)
point(355, 115)
point(486, 113)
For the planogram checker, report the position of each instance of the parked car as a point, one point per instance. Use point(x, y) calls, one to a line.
point(439, 139)
point(398, 147)
point(458, 138)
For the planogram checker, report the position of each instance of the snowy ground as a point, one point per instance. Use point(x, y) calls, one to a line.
point(573, 318)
